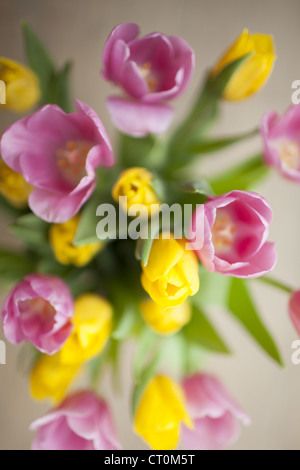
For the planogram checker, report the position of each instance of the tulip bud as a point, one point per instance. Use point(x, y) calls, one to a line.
point(253, 73)
point(13, 186)
point(22, 89)
point(81, 422)
point(50, 378)
point(294, 310)
point(61, 238)
point(171, 274)
point(92, 326)
point(281, 142)
point(134, 183)
point(166, 320)
point(215, 414)
point(160, 413)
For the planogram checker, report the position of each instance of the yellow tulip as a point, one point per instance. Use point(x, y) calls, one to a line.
point(50, 378)
point(166, 320)
point(134, 183)
point(61, 238)
point(22, 89)
point(13, 186)
point(160, 412)
point(253, 73)
point(171, 274)
point(92, 327)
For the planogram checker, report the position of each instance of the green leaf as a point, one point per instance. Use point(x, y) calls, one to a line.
point(200, 118)
point(242, 307)
point(86, 230)
point(146, 343)
point(38, 59)
point(201, 332)
point(214, 289)
point(219, 82)
point(144, 379)
point(14, 266)
point(244, 176)
point(59, 88)
point(198, 187)
point(126, 324)
point(96, 365)
point(143, 248)
point(33, 231)
point(214, 145)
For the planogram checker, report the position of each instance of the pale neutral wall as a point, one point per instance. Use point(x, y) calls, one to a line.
point(77, 29)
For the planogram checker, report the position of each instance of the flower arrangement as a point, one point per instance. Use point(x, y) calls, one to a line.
point(125, 244)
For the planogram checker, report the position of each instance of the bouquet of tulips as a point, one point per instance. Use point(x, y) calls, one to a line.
point(124, 243)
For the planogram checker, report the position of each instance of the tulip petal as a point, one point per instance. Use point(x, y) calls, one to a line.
point(137, 118)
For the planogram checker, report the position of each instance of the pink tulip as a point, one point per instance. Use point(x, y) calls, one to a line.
point(57, 153)
point(39, 310)
point(151, 70)
point(231, 232)
point(294, 309)
point(216, 416)
point(281, 141)
point(81, 422)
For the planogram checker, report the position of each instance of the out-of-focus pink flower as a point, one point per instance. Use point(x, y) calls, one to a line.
point(215, 414)
point(281, 141)
point(151, 70)
point(39, 310)
point(294, 309)
point(81, 422)
point(232, 232)
point(57, 154)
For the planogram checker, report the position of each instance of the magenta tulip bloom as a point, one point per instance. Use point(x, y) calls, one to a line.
point(294, 309)
point(281, 141)
point(231, 232)
point(39, 310)
point(150, 70)
point(57, 154)
point(81, 422)
point(216, 416)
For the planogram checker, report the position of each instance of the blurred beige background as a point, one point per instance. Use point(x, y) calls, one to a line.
point(78, 29)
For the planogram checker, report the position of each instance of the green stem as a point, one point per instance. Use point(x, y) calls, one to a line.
point(275, 283)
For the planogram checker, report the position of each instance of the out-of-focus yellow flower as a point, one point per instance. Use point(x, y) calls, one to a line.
point(252, 74)
point(160, 412)
point(92, 327)
point(134, 183)
point(61, 238)
point(22, 90)
point(171, 274)
point(166, 320)
point(13, 186)
point(50, 378)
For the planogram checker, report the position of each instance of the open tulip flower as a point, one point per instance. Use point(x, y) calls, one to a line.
point(281, 141)
point(236, 227)
point(57, 153)
point(215, 414)
point(39, 310)
point(129, 242)
point(151, 71)
point(81, 422)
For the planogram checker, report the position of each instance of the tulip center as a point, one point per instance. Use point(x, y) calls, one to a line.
point(289, 153)
point(37, 313)
point(147, 74)
point(223, 231)
point(71, 160)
